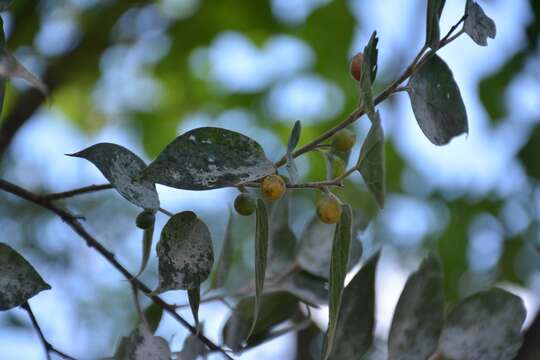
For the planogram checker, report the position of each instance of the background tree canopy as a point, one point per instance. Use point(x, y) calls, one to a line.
point(139, 73)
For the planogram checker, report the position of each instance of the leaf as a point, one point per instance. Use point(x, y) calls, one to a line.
point(185, 253)
point(122, 168)
point(193, 348)
point(275, 307)
point(153, 314)
point(371, 161)
point(19, 281)
point(293, 141)
point(486, 325)
point(369, 71)
point(419, 314)
point(338, 270)
point(226, 257)
point(433, 32)
point(209, 158)
point(11, 68)
point(261, 249)
point(194, 296)
point(282, 241)
point(356, 320)
point(315, 247)
point(142, 345)
point(436, 102)
point(477, 24)
point(148, 235)
point(307, 288)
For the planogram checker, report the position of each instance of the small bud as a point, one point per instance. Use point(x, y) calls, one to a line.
point(356, 66)
point(273, 187)
point(244, 204)
point(145, 219)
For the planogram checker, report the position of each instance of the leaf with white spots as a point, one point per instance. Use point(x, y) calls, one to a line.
point(315, 247)
point(209, 158)
point(436, 102)
point(478, 25)
point(142, 345)
point(185, 253)
point(19, 281)
point(486, 325)
point(419, 314)
point(122, 168)
point(356, 320)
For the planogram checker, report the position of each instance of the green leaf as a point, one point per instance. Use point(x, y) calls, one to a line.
point(291, 144)
point(338, 270)
point(11, 68)
point(315, 247)
point(371, 161)
point(282, 241)
point(419, 314)
point(477, 24)
point(356, 320)
point(261, 250)
point(307, 288)
point(436, 102)
point(433, 32)
point(153, 314)
point(122, 168)
point(19, 281)
point(226, 257)
point(185, 253)
point(209, 158)
point(275, 308)
point(369, 71)
point(486, 325)
point(143, 345)
point(194, 296)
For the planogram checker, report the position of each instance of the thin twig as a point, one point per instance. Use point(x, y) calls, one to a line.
point(72, 222)
point(49, 348)
point(75, 192)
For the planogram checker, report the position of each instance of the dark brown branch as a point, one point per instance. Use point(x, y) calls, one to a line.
point(74, 223)
point(49, 348)
point(75, 192)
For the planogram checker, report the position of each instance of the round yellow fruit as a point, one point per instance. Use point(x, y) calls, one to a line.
point(329, 209)
point(344, 140)
point(273, 187)
point(244, 204)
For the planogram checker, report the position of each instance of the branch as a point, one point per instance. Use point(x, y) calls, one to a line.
point(49, 348)
point(390, 89)
point(74, 223)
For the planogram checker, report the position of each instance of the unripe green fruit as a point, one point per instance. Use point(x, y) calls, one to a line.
point(273, 187)
point(344, 140)
point(338, 167)
point(244, 204)
point(145, 219)
point(329, 209)
point(355, 67)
